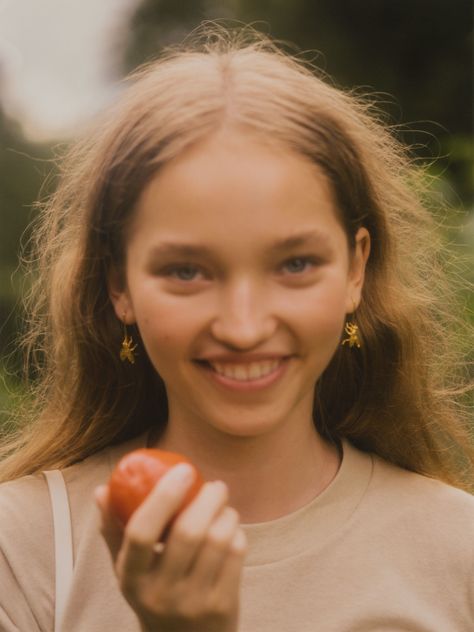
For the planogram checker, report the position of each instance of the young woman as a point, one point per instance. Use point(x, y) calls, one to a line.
point(238, 266)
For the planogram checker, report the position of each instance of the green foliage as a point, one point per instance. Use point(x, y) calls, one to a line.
point(23, 168)
point(10, 389)
point(416, 55)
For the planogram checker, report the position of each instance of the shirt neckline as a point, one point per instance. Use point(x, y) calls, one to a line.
point(311, 526)
point(308, 528)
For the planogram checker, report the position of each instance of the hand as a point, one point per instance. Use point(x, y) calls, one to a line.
point(193, 585)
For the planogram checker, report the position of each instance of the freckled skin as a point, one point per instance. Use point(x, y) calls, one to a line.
point(237, 197)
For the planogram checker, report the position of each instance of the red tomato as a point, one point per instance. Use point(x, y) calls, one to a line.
point(137, 473)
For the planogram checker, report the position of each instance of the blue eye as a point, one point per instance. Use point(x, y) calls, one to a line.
point(297, 265)
point(183, 272)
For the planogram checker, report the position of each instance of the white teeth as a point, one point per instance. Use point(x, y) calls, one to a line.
point(240, 373)
point(246, 372)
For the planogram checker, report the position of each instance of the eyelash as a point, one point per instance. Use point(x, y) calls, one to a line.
point(308, 261)
point(174, 270)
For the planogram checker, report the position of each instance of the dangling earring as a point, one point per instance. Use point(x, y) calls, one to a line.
point(352, 330)
point(127, 349)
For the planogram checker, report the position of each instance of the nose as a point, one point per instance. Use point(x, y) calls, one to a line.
point(244, 319)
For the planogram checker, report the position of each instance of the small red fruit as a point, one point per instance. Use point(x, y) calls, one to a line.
point(136, 474)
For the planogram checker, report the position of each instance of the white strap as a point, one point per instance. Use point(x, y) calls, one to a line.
point(62, 541)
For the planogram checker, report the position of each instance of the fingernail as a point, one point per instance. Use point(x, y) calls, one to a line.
point(99, 493)
point(182, 473)
point(220, 485)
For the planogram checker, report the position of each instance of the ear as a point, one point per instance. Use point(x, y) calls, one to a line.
point(119, 296)
point(357, 265)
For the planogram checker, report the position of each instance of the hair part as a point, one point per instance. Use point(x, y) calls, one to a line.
point(398, 396)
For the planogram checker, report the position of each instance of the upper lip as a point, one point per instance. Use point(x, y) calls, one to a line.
point(244, 358)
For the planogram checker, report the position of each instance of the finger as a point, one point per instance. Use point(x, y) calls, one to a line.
point(148, 522)
point(228, 581)
point(110, 528)
point(216, 547)
point(189, 531)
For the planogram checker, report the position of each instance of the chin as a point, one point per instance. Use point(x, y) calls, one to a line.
point(246, 425)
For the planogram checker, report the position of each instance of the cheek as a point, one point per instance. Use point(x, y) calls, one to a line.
point(167, 333)
point(321, 312)
point(320, 326)
point(322, 329)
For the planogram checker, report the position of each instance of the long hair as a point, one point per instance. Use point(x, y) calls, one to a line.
point(399, 396)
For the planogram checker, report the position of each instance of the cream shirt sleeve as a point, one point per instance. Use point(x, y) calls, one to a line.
point(26, 556)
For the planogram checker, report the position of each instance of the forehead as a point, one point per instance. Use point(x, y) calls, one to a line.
point(234, 186)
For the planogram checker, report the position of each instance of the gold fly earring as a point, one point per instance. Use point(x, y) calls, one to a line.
point(352, 331)
point(127, 350)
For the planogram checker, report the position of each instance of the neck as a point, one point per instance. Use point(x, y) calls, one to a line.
point(268, 476)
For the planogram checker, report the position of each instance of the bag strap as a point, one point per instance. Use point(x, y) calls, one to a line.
point(63, 551)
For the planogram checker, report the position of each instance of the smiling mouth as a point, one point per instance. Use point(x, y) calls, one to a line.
point(248, 372)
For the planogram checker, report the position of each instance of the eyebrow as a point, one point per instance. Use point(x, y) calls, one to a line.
point(193, 250)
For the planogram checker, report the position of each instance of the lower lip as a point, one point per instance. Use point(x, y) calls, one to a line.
point(249, 385)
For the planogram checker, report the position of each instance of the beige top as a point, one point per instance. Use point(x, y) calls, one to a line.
point(380, 550)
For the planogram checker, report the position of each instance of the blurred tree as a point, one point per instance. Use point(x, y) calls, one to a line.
point(23, 167)
point(417, 52)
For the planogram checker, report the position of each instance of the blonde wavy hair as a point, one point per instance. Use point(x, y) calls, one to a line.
point(399, 396)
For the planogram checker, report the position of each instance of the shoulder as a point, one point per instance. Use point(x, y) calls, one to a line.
point(27, 498)
point(420, 494)
point(82, 477)
point(26, 520)
point(422, 514)
point(27, 534)
point(20, 501)
point(25, 504)
point(394, 494)
point(419, 530)
point(26, 554)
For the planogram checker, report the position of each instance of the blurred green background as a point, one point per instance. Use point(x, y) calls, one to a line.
point(415, 54)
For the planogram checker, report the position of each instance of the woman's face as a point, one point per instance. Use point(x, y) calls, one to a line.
point(239, 278)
